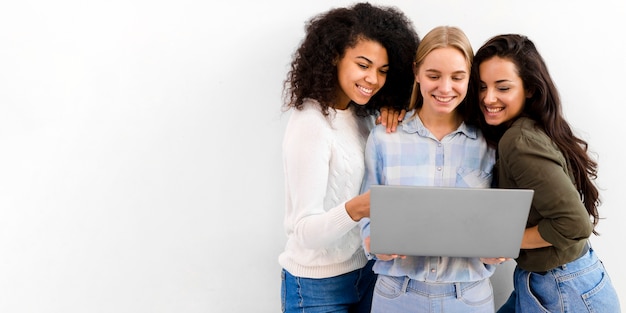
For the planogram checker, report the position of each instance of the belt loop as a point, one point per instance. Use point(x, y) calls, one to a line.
point(405, 284)
point(459, 292)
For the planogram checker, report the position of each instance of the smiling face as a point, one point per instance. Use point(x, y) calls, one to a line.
point(502, 94)
point(361, 72)
point(443, 77)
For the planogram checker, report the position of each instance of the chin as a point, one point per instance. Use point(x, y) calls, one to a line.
point(361, 101)
point(493, 121)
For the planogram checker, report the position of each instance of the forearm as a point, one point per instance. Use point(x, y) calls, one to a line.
point(319, 230)
point(532, 239)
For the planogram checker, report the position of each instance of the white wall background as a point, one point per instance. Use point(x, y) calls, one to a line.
point(140, 141)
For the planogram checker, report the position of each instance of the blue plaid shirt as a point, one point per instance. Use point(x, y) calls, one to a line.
point(413, 156)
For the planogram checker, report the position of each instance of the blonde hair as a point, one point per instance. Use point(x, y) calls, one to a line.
point(439, 37)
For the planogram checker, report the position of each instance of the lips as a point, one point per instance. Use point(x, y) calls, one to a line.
point(368, 91)
point(443, 99)
point(493, 109)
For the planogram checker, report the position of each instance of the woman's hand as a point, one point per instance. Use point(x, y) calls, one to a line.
point(359, 206)
point(391, 118)
point(382, 257)
point(494, 260)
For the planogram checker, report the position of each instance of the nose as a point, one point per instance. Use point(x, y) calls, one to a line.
point(372, 77)
point(488, 96)
point(446, 85)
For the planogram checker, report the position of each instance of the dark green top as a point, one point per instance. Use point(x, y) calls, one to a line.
point(529, 159)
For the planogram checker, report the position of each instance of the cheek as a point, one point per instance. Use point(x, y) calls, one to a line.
point(382, 79)
point(516, 103)
point(424, 86)
point(462, 87)
point(344, 80)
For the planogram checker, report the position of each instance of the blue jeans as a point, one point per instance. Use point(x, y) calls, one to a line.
point(401, 294)
point(350, 292)
point(582, 285)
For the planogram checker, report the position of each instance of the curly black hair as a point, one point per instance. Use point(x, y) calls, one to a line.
point(313, 72)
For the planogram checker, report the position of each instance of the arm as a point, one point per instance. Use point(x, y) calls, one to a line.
point(368, 180)
point(373, 176)
point(532, 239)
point(558, 216)
point(306, 157)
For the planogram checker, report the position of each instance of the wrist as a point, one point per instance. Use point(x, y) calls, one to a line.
point(353, 211)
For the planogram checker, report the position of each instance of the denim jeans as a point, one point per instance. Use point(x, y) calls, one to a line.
point(582, 285)
point(347, 293)
point(401, 294)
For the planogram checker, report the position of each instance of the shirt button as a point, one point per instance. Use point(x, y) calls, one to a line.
point(439, 168)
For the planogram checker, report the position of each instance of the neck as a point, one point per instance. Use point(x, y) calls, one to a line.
point(440, 125)
point(341, 106)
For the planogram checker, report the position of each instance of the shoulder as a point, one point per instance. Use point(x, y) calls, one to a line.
point(379, 134)
point(525, 136)
point(307, 123)
point(310, 115)
point(471, 131)
point(525, 128)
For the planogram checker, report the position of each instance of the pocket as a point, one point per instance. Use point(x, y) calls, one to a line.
point(535, 288)
point(478, 294)
point(603, 297)
point(473, 178)
point(388, 287)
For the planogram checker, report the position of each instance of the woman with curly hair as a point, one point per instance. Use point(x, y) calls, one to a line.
point(352, 62)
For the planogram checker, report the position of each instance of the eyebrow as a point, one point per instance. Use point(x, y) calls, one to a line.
point(503, 81)
point(455, 72)
point(500, 81)
point(369, 61)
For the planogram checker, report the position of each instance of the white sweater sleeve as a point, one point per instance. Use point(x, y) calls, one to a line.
point(307, 149)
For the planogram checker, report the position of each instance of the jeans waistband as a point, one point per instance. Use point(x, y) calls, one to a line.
point(437, 289)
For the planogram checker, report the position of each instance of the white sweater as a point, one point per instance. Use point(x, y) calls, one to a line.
point(323, 166)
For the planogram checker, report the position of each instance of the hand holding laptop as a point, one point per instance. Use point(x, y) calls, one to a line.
point(389, 257)
point(382, 257)
point(494, 260)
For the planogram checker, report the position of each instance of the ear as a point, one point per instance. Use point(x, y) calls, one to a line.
point(529, 94)
point(415, 72)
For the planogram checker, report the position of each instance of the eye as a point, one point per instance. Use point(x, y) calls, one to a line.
point(363, 66)
point(458, 78)
point(504, 88)
point(433, 77)
point(482, 87)
point(384, 71)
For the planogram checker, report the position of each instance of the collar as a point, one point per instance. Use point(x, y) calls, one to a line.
point(413, 124)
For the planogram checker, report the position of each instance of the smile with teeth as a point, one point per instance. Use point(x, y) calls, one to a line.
point(443, 99)
point(366, 90)
point(493, 109)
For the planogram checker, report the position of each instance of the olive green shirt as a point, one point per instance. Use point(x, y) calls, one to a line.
point(529, 159)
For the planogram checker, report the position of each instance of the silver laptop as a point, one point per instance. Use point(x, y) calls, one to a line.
point(447, 221)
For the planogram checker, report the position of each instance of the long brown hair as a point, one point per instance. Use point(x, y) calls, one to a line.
point(544, 107)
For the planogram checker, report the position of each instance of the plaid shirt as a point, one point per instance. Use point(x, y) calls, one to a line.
point(413, 156)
